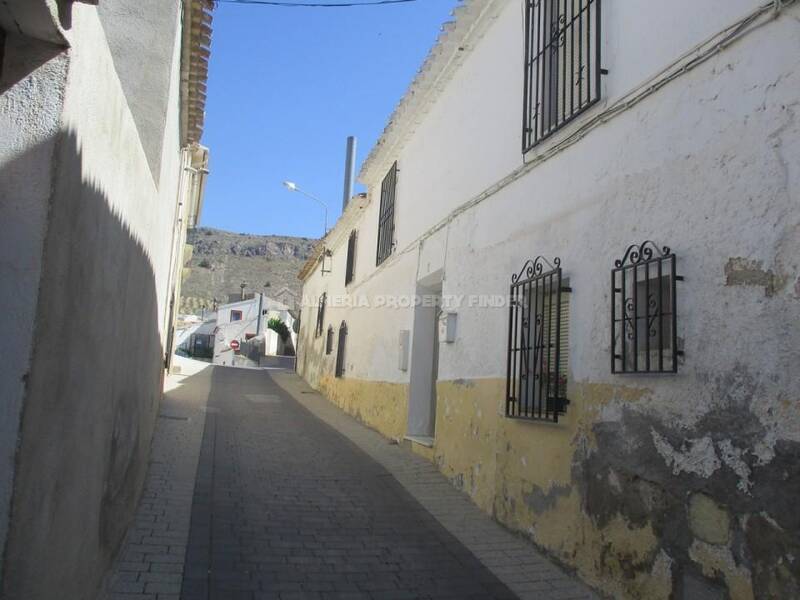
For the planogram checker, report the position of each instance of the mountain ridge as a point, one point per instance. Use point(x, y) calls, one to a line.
point(221, 260)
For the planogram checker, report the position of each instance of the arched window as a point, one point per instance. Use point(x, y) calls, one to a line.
point(329, 340)
point(321, 314)
point(340, 351)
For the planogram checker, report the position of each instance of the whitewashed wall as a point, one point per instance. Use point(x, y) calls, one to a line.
point(687, 167)
point(707, 165)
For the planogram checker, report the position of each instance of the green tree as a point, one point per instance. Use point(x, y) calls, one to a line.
point(278, 326)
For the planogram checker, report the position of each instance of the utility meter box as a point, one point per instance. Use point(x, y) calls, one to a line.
point(403, 350)
point(447, 327)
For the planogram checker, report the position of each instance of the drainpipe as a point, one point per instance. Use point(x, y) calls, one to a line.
point(349, 171)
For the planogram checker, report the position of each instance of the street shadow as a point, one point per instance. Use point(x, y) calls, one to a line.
point(92, 390)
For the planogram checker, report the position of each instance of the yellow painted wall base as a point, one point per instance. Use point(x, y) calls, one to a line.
point(528, 475)
point(380, 405)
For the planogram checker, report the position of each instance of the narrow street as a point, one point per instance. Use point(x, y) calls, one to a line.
point(294, 499)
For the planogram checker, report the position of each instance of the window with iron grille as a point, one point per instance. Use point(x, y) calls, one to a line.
point(340, 350)
point(562, 65)
point(329, 340)
point(386, 215)
point(321, 314)
point(538, 342)
point(644, 328)
point(351, 257)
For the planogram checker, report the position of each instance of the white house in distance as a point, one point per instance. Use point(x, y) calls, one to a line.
point(573, 285)
point(247, 320)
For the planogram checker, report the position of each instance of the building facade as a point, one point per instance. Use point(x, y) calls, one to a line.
point(574, 285)
point(246, 322)
point(101, 111)
point(191, 186)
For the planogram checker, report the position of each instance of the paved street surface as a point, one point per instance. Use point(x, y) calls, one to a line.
point(275, 493)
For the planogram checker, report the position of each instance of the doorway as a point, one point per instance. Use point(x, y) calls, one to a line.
point(424, 371)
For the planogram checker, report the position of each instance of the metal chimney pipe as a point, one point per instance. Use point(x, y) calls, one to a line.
point(349, 171)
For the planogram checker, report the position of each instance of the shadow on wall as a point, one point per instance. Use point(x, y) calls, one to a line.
point(92, 394)
point(28, 56)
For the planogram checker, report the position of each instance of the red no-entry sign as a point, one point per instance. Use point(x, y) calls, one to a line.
point(234, 344)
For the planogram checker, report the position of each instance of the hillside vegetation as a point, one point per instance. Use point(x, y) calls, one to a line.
point(222, 260)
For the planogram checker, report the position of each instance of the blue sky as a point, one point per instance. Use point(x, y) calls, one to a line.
point(286, 88)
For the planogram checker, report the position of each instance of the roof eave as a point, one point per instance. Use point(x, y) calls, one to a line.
point(458, 38)
point(195, 53)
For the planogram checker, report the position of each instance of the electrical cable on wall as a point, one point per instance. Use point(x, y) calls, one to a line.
point(699, 54)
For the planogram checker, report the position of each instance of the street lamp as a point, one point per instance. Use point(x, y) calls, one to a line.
point(292, 187)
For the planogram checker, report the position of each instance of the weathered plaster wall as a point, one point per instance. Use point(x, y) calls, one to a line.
point(651, 487)
point(31, 98)
point(89, 405)
point(378, 404)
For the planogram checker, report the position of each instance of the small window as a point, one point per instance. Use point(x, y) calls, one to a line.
point(329, 340)
point(236, 315)
point(386, 215)
point(643, 318)
point(351, 257)
point(321, 314)
point(340, 350)
point(562, 65)
point(538, 342)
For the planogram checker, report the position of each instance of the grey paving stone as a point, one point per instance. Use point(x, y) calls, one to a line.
point(157, 538)
point(454, 511)
point(273, 477)
point(295, 499)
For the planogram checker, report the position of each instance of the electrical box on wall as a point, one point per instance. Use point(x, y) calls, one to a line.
point(447, 327)
point(403, 350)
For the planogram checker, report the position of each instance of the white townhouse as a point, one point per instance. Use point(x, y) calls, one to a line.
point(574, 285)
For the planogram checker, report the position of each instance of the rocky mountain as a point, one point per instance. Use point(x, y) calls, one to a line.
point(222, 260)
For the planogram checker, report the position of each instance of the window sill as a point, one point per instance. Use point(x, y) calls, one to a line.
point(543, 148)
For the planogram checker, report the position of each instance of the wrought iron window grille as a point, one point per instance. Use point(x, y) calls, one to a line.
point(321, 314)
point(340, 350)
point(562, 65)
point(538, 342)
point(351, 257)
point(329, 340)
point(386, 215)
point(644, 323)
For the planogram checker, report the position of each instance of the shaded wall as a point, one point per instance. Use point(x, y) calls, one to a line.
point(100, 261)
point(89, 409)
point(31, 100)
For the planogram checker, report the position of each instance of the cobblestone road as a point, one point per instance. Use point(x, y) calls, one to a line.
point(294, 499)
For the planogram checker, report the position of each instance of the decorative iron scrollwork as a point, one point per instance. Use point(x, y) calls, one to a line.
point(535, 267)
point(641, 253)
